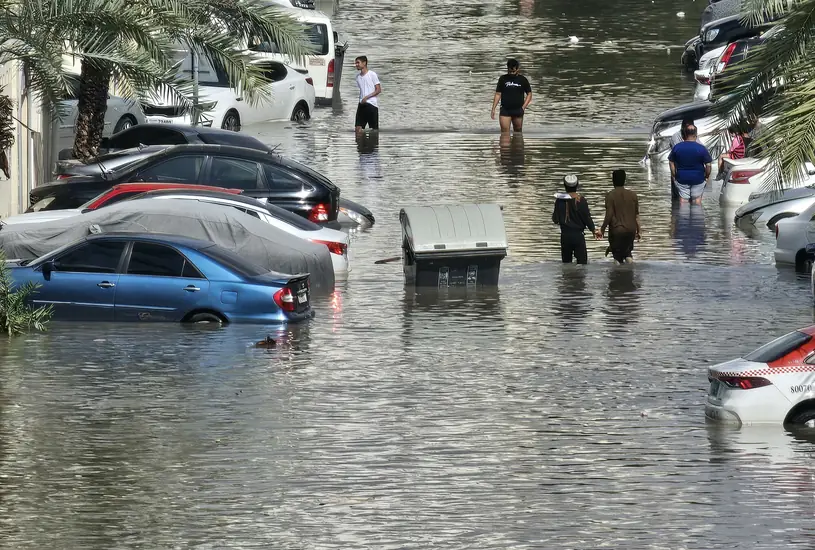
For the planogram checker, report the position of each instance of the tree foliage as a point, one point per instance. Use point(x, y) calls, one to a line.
point(17, 315)
point(777, 79)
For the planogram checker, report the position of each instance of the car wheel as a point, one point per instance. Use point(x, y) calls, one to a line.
point(300, 113)
point(124, 123)
point(205, 318)
point(232, 122)
point(805, 417)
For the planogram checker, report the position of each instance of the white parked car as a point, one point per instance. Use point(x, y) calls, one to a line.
point(751, 176)
point(336, 241)
point(775, 384)
point(305, 4)
point(292, 98)
point(794, 238)
point(707, 66)
point(668, 122)
point(767, 208)
point(322, 64)
point(120, 115)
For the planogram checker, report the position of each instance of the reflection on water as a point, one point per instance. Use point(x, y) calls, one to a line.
point(511, 147)
point(560, 410)
point(688, 227)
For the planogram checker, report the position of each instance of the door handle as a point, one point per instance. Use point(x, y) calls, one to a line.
point(191, 288)
point(291, 87)
point(238, 99)
point(106, 284)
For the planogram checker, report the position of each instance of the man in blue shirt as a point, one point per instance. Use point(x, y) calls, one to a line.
point(690, 167)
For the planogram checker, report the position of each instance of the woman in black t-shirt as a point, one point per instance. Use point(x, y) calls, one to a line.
point(515, 94)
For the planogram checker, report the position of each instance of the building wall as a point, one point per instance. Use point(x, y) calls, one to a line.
point(26, 156)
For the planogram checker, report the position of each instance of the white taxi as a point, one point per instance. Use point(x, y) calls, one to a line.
point(775, 384)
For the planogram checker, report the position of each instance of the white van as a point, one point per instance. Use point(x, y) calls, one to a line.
point(322, 64)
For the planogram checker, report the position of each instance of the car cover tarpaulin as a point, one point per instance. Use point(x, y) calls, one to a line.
point(255, 240)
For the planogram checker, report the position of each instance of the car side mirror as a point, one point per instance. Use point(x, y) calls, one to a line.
point(810, 358)
point(47, 268)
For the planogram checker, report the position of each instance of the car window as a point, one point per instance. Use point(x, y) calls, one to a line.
point(317, 35)
point(282, 179)
point(182, 169)
point(55, 202)
point(274, 72)
point(234, 173)
point(159, 261)
point(92, 257)
point(250, 212)
point(145, 135)
point(779, 347)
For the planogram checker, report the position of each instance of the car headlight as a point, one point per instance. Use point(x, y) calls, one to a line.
point(663, 144)
point(711, 35)
point(207, 106)
point(753, 217)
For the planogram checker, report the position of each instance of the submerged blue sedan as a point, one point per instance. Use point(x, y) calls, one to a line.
point(149, 277)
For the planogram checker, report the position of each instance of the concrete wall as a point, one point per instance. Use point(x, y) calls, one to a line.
point(26, 156)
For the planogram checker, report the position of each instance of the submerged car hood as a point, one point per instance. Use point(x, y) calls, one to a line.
point(694, 110)
point(774, 197)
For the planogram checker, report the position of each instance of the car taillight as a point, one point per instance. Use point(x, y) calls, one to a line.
point(284, 298)
point(334, 248)
point(310, 81)
point(741, 176)
point(703, 80)
point(776, 231)
point(319, 213)
point(63, 176)
point(745, 382)
point(330, 81)
point(728, 53)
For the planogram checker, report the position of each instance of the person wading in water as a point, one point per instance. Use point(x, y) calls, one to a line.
point(573, 215)
point(515, 94)
point(622, 219)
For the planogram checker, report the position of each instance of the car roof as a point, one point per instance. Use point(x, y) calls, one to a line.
point(159, 186)
point(243, 199)
point(209, 148)
point(166, 238)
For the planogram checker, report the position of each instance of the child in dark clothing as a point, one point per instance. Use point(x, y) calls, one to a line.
point(573, 215)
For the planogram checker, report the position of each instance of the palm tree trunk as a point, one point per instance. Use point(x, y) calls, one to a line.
point(94, 82)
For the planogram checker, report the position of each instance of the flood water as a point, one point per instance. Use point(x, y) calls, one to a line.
point(562, 410)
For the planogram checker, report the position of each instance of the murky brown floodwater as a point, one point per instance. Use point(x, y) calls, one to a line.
point(563, 410)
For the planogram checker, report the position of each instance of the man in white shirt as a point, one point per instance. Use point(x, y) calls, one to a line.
point(369, 89)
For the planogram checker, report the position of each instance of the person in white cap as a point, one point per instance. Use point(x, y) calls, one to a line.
point(573, 215)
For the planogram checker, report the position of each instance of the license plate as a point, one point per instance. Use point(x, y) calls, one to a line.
point(159, 120)
point(317, 61)
point(302, 297)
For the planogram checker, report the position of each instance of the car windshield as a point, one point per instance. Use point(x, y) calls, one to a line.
point(779, 347)
point(302, 168)
point(234, 262)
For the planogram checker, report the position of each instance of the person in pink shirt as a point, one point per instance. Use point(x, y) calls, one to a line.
point(738, 146)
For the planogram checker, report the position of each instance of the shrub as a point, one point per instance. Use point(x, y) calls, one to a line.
point(17, 315)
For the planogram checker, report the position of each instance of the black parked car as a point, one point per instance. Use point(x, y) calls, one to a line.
point(259, 174)
point(144, 140)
